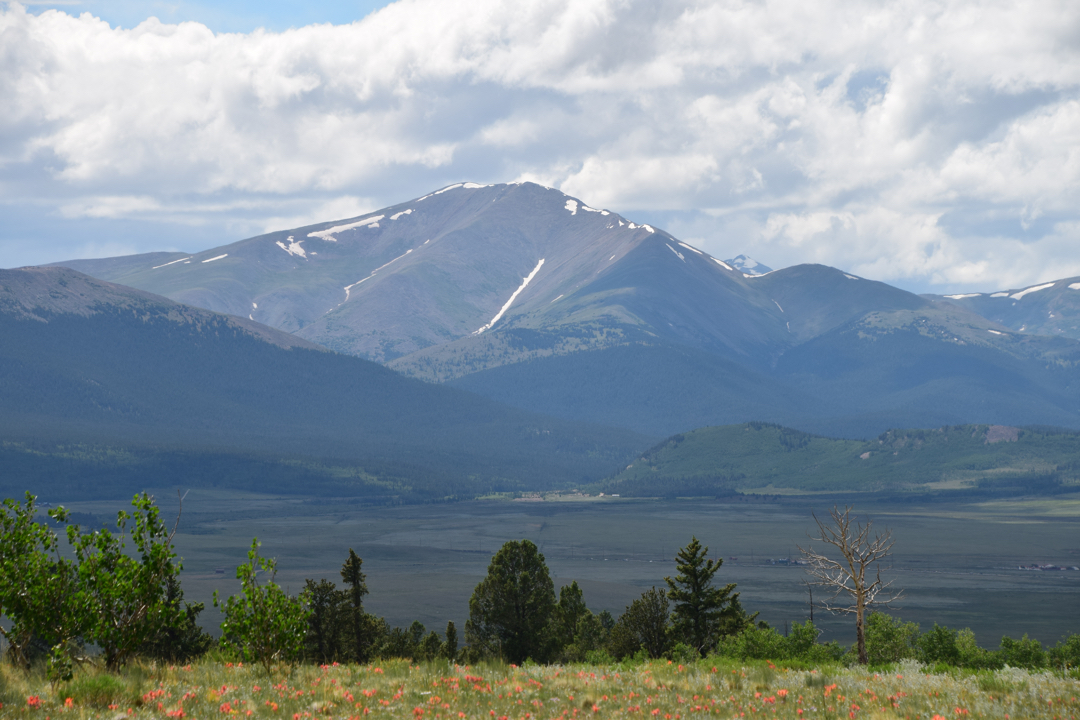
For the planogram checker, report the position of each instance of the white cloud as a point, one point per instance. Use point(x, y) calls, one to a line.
point(928, 143)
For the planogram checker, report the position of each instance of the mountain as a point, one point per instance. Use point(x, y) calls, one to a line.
point(748, 266)
point(1050, 308)
point(88, 363)
point(534, 299)
point(763, 458)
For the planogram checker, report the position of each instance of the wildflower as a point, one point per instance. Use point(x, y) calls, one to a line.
point(33, 701)
point(69, 703)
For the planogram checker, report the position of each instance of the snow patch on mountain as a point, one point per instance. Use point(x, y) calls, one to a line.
point(524, 284)
point(675, 251)
point(961, 297)
point(465, 186)
point(216, 258)
point(170, 263)
point(850, 277)
point(1037, 288)
point(995, 332)
point(1000, 294)
point(571, 205)
point(649, 228)
point(329, 233)
point(691, 249)
point(395, 216)
point(1074, 286)
point(348, 288)
point(293, 248)
point(722, 264)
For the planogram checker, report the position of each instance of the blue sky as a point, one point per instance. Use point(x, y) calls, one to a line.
point(230, 16)
point(932, 144)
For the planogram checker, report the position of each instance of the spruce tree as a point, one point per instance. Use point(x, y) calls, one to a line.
point(358, 621)
point(702, 613)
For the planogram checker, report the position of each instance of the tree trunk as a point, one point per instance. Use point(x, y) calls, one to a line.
point(860, 632)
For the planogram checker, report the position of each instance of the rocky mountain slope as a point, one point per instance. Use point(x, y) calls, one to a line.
point(531, 297)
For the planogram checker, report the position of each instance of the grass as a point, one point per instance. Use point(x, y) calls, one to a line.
point(439, 690)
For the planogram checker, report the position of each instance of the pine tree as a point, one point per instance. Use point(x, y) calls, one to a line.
point(702, 613)
point(358, 620)
point(450, 647)
point(511, 609)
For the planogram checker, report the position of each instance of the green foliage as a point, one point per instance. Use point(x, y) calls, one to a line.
point(570, 609)
point(702, 613)
point(1066, 654)
point(765, 643)
point(124, 599)
point(512, 607)
point(450, 647)
point(890, 640)
point(263, 624)
point(939, 646)
point(183, 641)
point(1023, 653)
point(327, 638)
point(361, 626)
point(98, 690)
point(39, 588)
point(717, 461)
point(643, 626)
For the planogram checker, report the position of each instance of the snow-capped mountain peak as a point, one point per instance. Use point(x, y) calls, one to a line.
point(748, 266)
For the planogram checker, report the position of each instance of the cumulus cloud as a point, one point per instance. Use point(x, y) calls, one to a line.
point(933, 143)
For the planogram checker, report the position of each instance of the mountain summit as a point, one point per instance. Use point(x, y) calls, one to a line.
point(532, 297)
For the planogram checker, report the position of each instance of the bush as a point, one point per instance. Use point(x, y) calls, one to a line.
point(1065, 655)
point(263, 623)
point(889, 639)
point(939, 646)
point(1023, 653)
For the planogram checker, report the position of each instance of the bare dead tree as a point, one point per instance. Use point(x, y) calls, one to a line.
point(847, 578)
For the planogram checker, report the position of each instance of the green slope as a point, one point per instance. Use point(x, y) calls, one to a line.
point(762, 457)
point(89, 363)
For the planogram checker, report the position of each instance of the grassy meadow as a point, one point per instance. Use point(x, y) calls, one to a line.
point(958, 563)
point(439, 690)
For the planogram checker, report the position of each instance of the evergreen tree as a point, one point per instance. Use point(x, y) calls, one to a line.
point(359, 623)
point(183, 641)
point(328, 624)
point(450, 649)
point(570, 610)
point(511, 609)
point(644, 625)
point(702, 613)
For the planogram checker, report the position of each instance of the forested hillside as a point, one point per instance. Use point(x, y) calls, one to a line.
point(767, 458)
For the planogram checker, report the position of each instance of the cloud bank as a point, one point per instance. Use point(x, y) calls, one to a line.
point(928, 143)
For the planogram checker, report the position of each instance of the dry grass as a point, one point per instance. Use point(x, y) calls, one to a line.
point(439, 690)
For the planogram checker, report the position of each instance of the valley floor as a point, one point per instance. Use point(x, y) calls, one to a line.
point(960, 564)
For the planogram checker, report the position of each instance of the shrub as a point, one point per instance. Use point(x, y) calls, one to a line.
point(939, 646)
point(1023, 653)
point(263, 623)
point(889, 639)
point(1065, 654)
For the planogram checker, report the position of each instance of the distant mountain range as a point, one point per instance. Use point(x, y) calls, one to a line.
point(530, 297)
point(101, 382)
